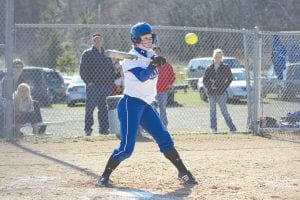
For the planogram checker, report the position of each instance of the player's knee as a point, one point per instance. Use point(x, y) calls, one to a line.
point(125, 155)
point(120, 156)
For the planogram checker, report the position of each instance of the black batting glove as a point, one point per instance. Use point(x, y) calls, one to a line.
point(157, 61)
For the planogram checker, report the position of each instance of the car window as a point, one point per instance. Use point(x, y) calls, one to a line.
point(53, 78)
point(195, 64)
point(239, 76)
point(233, 63)
point(293, 72)
point(32, 77)
point(67, 78)
point(269, 73)
point(77, 80)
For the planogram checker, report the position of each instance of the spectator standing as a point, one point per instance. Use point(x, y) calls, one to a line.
point(26, 110)
point(135, 108)
point(216, 79)
point(17, 79)
point(98, 73)
point(166, 77)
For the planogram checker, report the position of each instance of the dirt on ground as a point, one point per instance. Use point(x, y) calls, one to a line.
point(226, 166)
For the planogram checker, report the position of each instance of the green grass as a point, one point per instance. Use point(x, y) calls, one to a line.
point(191, 98)
point(2, 66)
point(181, 73)
point(60, 106)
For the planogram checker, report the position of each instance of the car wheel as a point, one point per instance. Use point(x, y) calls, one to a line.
point(282, 93)
point(194, 85)
point(229, 100)
point(290, 92)
point(263, 95)
point(203, 95)
point(70, 104)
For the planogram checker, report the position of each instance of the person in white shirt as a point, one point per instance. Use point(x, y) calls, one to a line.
point(134, 108)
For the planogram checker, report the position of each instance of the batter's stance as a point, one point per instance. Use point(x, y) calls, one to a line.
point(134, 108)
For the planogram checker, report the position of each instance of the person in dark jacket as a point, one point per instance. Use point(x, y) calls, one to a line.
point(216, 80)
point(98, 73)
point(16, 75)
point(18, 79)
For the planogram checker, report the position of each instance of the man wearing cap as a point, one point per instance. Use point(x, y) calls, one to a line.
point(97, 71)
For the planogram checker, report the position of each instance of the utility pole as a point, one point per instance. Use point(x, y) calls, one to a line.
point(8, 80)
point(99, 12)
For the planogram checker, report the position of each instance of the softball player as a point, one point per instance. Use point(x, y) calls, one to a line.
point(134, 108)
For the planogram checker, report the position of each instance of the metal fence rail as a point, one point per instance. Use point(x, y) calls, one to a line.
point(281, 50)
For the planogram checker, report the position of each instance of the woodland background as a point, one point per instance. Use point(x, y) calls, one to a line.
point(268, 15)
point(53, 48)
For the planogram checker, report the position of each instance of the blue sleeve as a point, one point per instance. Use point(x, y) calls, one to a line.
point(141, 73)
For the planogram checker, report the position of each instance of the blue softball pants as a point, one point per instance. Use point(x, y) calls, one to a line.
point(132, 113)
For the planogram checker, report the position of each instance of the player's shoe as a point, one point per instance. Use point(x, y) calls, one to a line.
point(103, 182)
point(187, 178)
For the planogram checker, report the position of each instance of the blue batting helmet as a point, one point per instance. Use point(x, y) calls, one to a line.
point(139, 29)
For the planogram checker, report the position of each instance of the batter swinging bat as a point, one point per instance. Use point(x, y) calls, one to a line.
point(120, 55)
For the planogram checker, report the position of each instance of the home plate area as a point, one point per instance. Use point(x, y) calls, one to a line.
point(131, 194)
point(135, 194)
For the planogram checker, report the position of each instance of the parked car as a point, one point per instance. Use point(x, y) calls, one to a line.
point(197, 67)
point(67, 80)
point(47, 85)
point(76, 91)
point(288, 87)
point(235, 92)
point(2, 74)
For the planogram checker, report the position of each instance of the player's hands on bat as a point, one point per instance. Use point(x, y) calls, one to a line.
point(157, 61)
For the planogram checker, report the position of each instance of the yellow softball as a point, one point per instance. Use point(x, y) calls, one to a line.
point(191, 38)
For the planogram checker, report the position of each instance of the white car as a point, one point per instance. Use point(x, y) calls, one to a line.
point(76, 91)
point(237, 89)
point(197, 67)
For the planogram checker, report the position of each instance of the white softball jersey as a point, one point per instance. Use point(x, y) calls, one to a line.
point(133, 86)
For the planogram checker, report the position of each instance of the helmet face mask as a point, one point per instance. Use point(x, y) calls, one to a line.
point(140, 29)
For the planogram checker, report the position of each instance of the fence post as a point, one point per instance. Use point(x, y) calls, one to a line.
point(256, 79)
point(246, 63)
point(8, 82)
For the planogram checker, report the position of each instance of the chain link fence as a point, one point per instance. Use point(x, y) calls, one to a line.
point(280, 80)
point(2, 33)
point(59, 48)
point(2, 42)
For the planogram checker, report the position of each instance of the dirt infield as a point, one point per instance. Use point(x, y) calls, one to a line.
point(227, 167)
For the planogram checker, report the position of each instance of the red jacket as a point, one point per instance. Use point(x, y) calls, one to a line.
point(166, 77)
